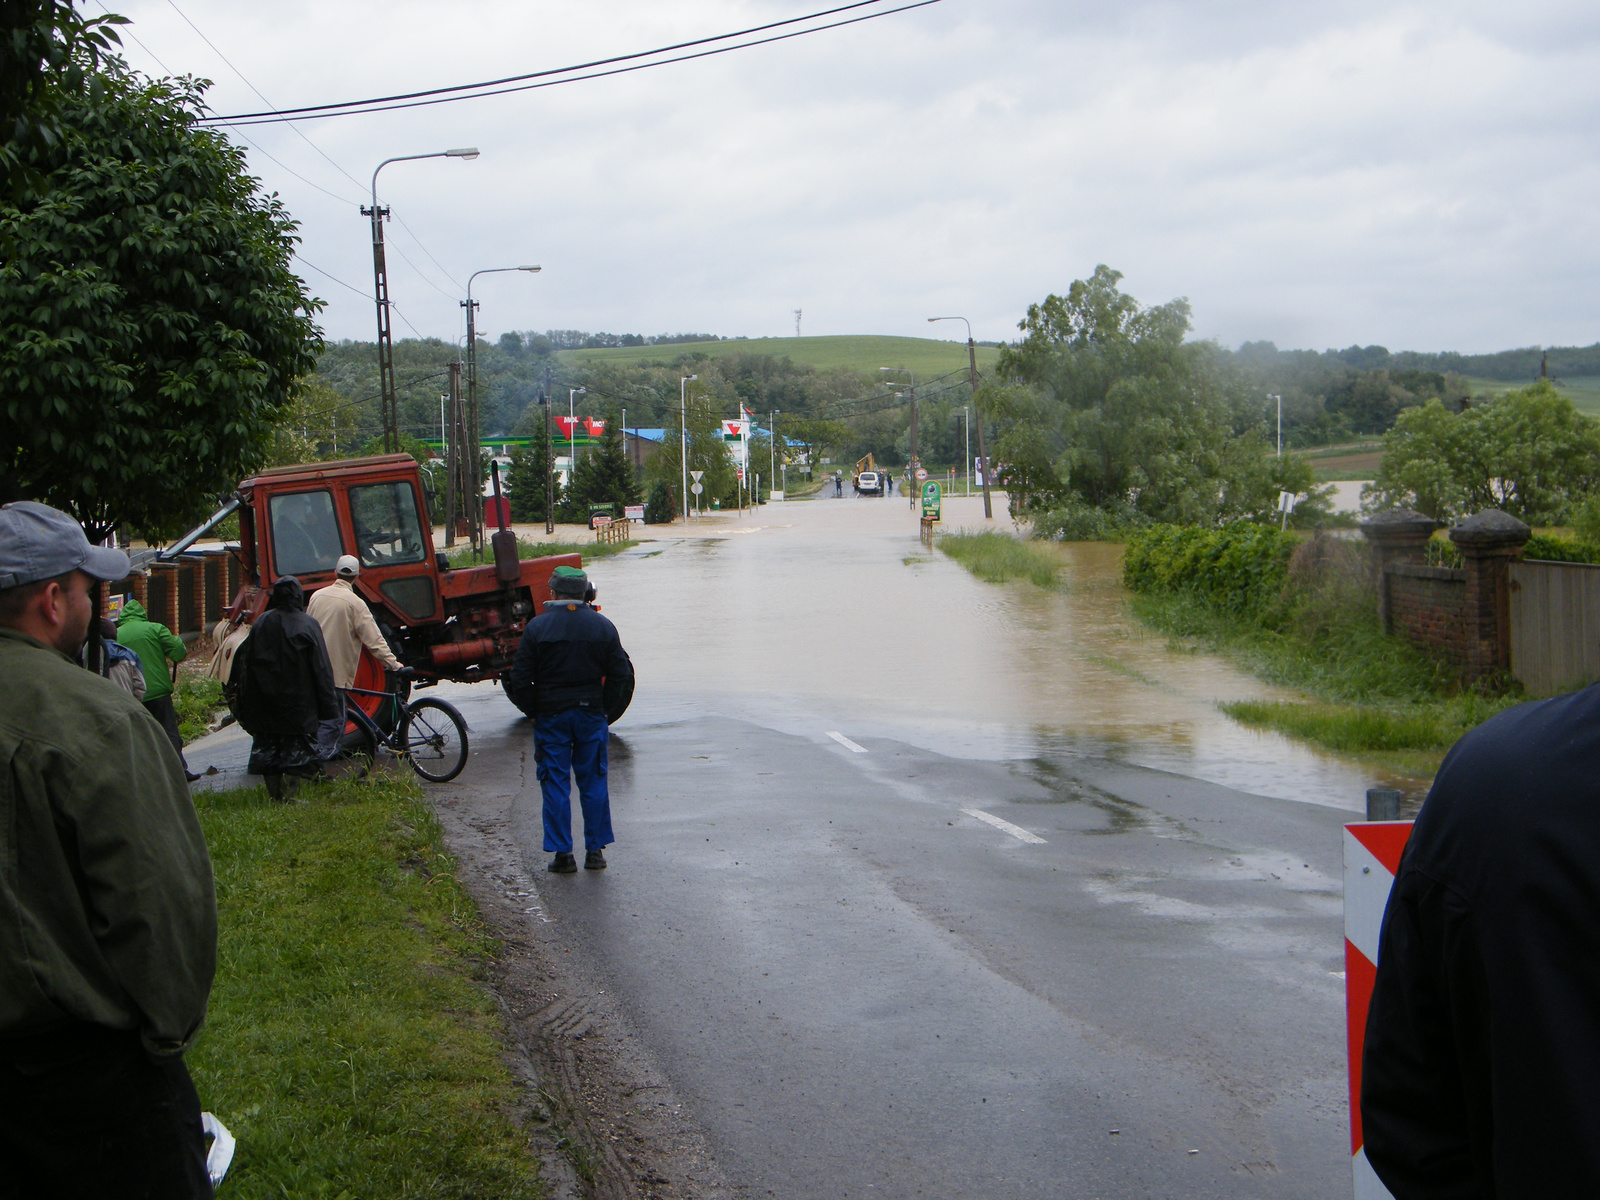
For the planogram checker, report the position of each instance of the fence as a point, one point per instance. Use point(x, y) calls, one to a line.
point(1555, 625)
point(614, 531)
point(186, 596)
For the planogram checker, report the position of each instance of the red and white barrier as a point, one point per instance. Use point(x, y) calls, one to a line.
point(1371, 858)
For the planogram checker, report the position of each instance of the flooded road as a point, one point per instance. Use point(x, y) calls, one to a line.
point(832, 610)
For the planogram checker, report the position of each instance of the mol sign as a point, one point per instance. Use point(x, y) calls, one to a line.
point(1372, 852)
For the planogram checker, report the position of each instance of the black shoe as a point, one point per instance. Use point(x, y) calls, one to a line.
point(594, 861)
point(191, 776)
point(563, 864)
point(274, 781)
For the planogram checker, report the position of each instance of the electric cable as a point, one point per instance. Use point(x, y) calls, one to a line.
point(472, 92)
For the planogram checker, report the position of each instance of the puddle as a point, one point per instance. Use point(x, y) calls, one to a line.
point(836, 617)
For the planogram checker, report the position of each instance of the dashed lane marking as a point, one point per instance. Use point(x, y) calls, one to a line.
point(846, 742)
point(1016, 831)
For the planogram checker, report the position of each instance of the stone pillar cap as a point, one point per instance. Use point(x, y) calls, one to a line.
point(1491, 527)
point(1399, 522)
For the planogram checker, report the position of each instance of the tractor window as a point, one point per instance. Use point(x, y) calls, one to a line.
point(387, 529)
point(305, 533)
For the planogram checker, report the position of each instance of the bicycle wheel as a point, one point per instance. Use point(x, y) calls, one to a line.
point(436, 740)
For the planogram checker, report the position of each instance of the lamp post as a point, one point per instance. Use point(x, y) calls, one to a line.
point(915, 460)
point(475, 434)
point(983, 452)
point(572, 434)
point(1279, 399)
point(772, 444)
point(683, 436)
point(380, 295)
point(966, 421)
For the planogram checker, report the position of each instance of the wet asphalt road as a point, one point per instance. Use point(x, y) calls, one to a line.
point(1130, 987)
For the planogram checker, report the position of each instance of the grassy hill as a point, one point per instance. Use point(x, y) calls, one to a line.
point(927, 357)
point(1583, 391)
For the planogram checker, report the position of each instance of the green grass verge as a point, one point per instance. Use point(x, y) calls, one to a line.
point(926, 357)
point(1377, 697)
point(197, 698)
point(463, 556)
point(999, 558)
point(347, 1045)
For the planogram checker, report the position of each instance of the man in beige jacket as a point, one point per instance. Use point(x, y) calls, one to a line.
point(347, 626)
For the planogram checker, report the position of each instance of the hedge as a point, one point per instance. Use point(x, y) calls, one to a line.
point(1239, 569)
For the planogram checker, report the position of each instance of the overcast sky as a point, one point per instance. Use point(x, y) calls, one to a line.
point(1418, 175)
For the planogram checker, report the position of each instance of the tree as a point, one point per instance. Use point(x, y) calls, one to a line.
point(318, 423)
point(1115, 410)
point(815, 437)
point(152, 327)
point(1528, 453)
point(603, 475)
point(46, 53)
point(707, 453)
point(530, 476)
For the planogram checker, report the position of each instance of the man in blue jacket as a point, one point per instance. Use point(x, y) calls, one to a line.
point(569, 672)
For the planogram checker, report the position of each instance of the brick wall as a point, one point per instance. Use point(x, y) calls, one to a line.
point(1426, 605)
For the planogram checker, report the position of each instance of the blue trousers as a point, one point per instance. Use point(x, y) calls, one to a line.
point(567, 743)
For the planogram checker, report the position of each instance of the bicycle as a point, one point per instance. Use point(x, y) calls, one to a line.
point(429, 733)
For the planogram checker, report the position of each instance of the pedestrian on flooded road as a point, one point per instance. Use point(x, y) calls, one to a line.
point(108, 915)
point(347, 625)
point(159, 650)
point(1481, 1073)
point(285, 690)
point(570, 671)
point(838, 484)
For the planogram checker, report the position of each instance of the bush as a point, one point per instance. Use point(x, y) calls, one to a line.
point(1239, 569)
point(660, 508)
point(1554, 549)
point(1076, 521)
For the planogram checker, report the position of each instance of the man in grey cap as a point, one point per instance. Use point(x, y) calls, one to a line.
point(108, 916)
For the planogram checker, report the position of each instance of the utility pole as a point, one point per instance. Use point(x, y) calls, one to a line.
point(388, 403)
point(474, 511)
point(549, 459)
point(455, 494)
point(380, 291)
point(983, 451)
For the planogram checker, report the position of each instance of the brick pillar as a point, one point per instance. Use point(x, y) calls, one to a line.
point(1488, 542)
point(140, 589)
point(169, 615)
point(1398, 536)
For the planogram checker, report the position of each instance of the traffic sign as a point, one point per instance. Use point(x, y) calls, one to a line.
point(922, 473)
point(697, 488)
point(695, 475)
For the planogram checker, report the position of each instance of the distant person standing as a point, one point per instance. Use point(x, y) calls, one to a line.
point(838, 484)
point(123, 666)
point(569, 672)
point(285, 689)
point(159, 650)
point(108, 939)
point(347, 625)
point(888, 484)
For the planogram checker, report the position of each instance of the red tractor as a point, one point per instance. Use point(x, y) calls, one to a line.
point(458, 623)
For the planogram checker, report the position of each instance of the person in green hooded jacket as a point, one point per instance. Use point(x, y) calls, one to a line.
point(157, 646)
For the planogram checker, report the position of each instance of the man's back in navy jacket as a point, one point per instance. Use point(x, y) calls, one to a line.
point(570, 657)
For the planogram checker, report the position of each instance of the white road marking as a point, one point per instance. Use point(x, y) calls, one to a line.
point(1016, 831)
point(846, 742)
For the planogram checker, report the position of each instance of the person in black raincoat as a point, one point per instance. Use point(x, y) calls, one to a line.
point(285, 688)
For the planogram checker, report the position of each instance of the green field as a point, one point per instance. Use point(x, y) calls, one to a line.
point(926, 357)
point(1582, 390)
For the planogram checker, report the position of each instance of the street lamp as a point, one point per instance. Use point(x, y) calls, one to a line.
point(772, 444)
point(683, 435)
point(915, 460)
point(1279, 399)
point(474, 433)
point(572, 433)
point(380, 292)
point(983, 452)
point(966, 421)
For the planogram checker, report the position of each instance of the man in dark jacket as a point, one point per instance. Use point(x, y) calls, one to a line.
point(108, 918)
point(1481, 1076)
point(569, 673)
point(285, 689)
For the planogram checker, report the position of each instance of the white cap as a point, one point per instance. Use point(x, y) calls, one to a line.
point(348, 566)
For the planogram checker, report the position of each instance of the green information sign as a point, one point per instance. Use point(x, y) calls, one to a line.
point(930, 501)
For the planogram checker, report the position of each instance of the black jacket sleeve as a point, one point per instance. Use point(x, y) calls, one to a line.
point(1426, 1111)
point(619, 677)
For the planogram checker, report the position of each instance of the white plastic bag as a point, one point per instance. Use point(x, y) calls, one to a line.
point(220, 1156)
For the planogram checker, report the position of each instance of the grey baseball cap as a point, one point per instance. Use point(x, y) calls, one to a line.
point(39, 542)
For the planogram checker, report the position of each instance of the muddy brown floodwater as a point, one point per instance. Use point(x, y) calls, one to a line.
point(830, 613)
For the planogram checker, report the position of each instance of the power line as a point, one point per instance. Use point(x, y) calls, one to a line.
point(474, 91)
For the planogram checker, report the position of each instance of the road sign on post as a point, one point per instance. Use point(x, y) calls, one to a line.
point(931, 497)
